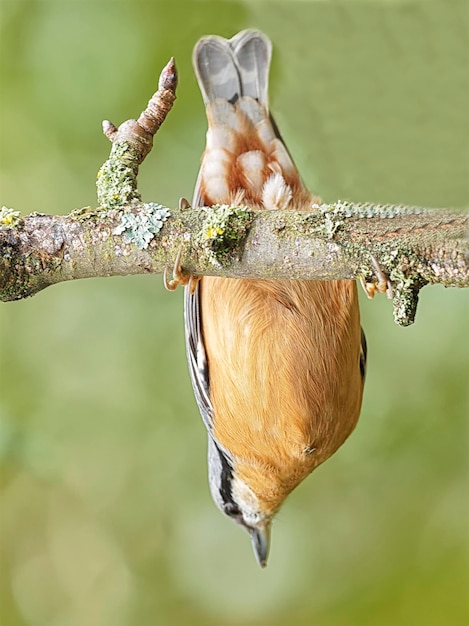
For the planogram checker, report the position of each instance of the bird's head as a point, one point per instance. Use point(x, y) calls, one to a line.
point(238, 501)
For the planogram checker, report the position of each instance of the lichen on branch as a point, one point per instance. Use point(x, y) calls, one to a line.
point(140, 227)
point(225, 228)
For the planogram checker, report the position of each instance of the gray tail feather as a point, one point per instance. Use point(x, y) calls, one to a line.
point(231, 68)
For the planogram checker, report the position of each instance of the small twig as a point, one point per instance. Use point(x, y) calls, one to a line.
point(132, 142)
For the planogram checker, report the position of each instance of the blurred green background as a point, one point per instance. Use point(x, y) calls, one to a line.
point(105, 513)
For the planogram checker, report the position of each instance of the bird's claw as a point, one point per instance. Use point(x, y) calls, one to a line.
point(383, 285)
point(179, 278)
point(184, 204)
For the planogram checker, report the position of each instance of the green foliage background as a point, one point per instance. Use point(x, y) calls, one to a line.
point(105, 512)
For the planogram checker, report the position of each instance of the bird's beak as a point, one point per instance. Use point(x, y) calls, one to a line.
point(260, 539)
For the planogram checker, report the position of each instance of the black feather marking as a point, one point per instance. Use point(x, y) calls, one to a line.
point(363, 355)
point(229, 505)
point(196, 357)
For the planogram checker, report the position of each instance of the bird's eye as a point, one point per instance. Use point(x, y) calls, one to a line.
point(232, 510)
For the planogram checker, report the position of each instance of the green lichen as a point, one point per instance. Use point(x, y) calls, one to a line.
point(344, 209)
point(224, 231)
point(397, 262)
point(22, 275)
point(400, 266)
point(116, 181)
point(140, 227)
point(405, 301)
point(407, 283)
point(335, 214)
point(9, 218)
point(84, 214)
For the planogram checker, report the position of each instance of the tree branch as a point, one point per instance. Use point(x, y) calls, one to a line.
point(413, 247)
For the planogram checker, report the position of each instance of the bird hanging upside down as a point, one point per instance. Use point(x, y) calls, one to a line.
point(277, 366)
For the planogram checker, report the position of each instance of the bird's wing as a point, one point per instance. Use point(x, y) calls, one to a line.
point(196, 357)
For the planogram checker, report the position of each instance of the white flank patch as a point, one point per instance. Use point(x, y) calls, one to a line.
point(280, 153)
point(252, 165)
point(221, 137)
point(216, 188)
point(276, 194)
point(266, 134)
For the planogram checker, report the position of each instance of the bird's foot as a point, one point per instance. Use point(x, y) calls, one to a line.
point(383, 285)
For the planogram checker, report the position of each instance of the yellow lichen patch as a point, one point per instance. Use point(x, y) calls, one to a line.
point(8, 217)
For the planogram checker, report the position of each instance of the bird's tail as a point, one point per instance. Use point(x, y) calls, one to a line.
point(232, 68)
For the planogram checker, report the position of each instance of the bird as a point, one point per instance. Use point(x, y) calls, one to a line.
point(277, 366)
